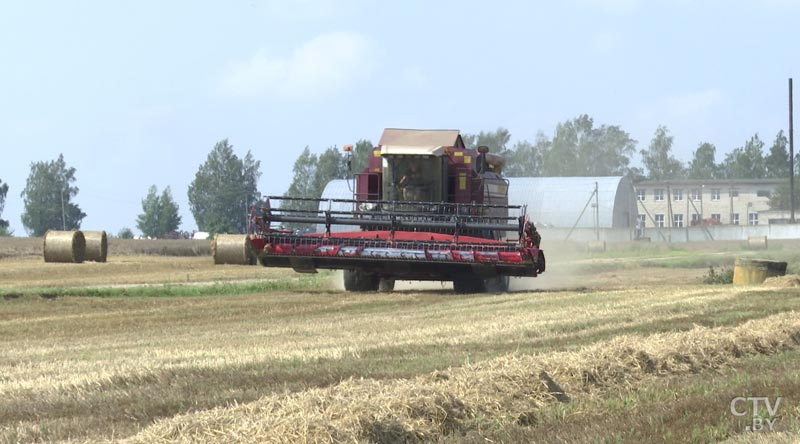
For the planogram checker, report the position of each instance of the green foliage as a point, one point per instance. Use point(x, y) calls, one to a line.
point(703, 165)
point(361, 153)
point(125, 233)
point(303, 184)
point(781, 197)
point(658, 158)
point(496, 140)
point(723, 276)
point(524, 159)
point(580, 149)
point(48, 197)
point(159, 214)
point(746, 162)
point(224, 189)
point(776, 164)
point(4, 231)
point(331, 164)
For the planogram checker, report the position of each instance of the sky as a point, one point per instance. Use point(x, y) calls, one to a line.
point(138, 93)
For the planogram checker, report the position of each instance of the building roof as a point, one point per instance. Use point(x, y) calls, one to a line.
point(421, 138)
point(709, 182)
point(569, 201)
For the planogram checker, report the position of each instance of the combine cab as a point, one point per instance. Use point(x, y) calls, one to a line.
point(426, 208)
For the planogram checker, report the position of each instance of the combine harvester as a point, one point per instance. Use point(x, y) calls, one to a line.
point(426, 208)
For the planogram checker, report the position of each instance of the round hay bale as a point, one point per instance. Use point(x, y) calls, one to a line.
point(757, 242)
point(96, 246)
point(64, 246)
point(754, 271)
point(596, 246)
point(232, 249)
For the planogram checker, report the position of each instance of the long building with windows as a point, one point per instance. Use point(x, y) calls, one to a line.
point(682, 203)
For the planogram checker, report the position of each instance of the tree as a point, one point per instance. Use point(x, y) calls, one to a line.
point(159, 214)
point(496, 140)
point(776, 164)
point(524, 159)
point(303, 185)
point(703, 165)
point(125, 233)
point(361, 154)
point(331, 164)
point(4, 231)
point(223, 190)
point(746, 162)
point(580, 149)
point(658, 159)
point(48, 196)
point(781, 197)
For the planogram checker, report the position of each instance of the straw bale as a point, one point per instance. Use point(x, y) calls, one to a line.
point(64, 246)
point(96, 245)
point(788, 281)
point(757, 242)
point(232, 249)
point(508, 389)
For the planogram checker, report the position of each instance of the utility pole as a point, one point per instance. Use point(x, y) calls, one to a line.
point(791, 154)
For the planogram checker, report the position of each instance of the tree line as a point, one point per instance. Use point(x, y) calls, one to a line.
point(226, 185)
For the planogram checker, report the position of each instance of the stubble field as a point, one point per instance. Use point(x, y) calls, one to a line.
point(623, 346)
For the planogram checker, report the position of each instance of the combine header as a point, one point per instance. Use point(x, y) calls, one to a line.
point(425, 208)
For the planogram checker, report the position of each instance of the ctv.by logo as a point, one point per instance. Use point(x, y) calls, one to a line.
point(760, 422)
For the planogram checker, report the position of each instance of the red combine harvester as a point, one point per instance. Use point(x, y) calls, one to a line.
point(425, 208)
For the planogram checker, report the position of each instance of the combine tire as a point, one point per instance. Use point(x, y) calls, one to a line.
point(386, 285)
point(497, 285)
point(355, 280)
point(469, 284)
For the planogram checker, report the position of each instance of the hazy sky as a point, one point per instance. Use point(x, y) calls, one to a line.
point(136, 94)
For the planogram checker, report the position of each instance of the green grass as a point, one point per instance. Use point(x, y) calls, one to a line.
point(292, 282)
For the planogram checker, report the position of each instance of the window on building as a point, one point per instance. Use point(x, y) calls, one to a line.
point(735, 219)
point(640, 194)
point(752, 218)
point(696, 194)
point(695, 219)
point(677, 194)
point(715, 194)
point(659, 220)
point(734, 193)
point(764, 193)
point(658, 194)
point(716, 217)
point(677, 220)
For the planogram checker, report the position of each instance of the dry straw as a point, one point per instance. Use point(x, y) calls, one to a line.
point(232, 249)
point(96, 246)
point(509, 389)
point(64, 246)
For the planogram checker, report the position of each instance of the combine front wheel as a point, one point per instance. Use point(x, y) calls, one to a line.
point(386, 285)
point(469, 284)
point(355, 280)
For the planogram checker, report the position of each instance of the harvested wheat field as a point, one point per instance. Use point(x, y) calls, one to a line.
point(627, 345)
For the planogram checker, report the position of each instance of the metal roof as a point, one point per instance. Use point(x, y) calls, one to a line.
point(417, 137)
point(559, 201)
point(551, 201)
point(412, 150)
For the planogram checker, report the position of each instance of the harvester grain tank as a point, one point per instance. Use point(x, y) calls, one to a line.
point(425, 208)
